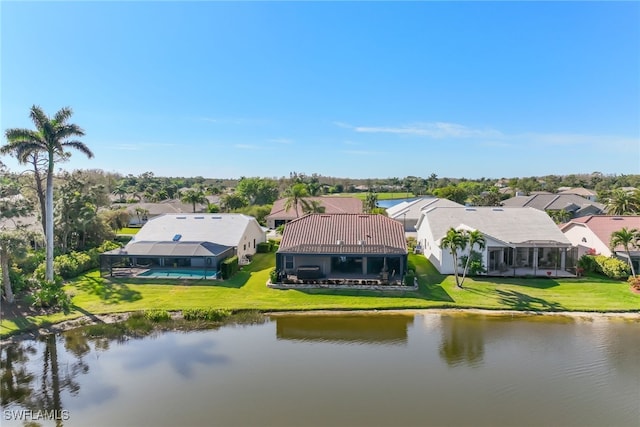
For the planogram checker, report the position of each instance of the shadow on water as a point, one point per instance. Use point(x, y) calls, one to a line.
point(111, 292)
point(462, 341)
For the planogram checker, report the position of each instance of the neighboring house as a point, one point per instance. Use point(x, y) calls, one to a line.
point(408, 213)
point(592, 234)
point(519, 241)
point(140, 213)
point(332, 205)
point(582, 192)
point(190, 240)
point(343, 247)
point(577, 206)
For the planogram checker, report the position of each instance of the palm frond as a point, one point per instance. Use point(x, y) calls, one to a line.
point(68, 130)
point(38, 117)
point(78, 145)
point(62, 115)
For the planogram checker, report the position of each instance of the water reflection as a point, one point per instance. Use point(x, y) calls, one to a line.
point(387, 329)
point(462, 340)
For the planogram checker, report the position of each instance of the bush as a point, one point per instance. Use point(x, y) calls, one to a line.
point(50, 295)
point(588, 263)
point(412, 242)
point(612, 267)
point(476, 267)
point(273, 275)
point(409, 278)
point(264, 247)
point(229, 267)
point(635, 282)
point(157, 315)
point(208, 314)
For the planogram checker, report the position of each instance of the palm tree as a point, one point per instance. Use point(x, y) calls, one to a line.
point(295, 194)
point(370, 202)
point(474, 238)
point(194, 197)
point(626, 238)
point(454, 241)
point(312, 206)
point(51, 137)
point(621, 202)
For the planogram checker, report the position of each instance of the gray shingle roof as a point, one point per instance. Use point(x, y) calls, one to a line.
point(343, 233)
point(171, 249)
point(551, 202)
point(509, 225)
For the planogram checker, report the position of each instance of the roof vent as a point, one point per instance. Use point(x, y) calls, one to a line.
point(617, 218)
point(198, 217)
point(361, 242)
point(497, 209)
point(339, 242)
point(181, 217)
point(177, 237)
point(470, 209)
point(216, 217)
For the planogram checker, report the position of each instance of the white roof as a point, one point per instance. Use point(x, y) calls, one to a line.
point(222, 229)
point(414, 208)
point(509, 225)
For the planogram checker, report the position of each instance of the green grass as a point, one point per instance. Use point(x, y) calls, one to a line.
point(129, 230)
point(92, 295)
point(381, 196)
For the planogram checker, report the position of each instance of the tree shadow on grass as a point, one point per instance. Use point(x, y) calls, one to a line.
point(519, 301)
point(537, 282)
point(237, 281)
point(109, 292)
point(428, 292)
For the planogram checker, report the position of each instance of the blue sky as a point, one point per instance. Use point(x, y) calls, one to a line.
point(349, 89)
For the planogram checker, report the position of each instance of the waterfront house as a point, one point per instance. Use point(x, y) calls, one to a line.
point(343, 249)
point(408, 213)
point(519, 241)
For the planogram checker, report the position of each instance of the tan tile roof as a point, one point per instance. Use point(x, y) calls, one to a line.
point(332, 205)
point(343, 233)
point(603, 225)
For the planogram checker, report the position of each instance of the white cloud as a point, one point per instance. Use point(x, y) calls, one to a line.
point(432, 130)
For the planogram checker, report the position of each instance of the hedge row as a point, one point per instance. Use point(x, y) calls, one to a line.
point(229, 267)
point(74, 263)
point(610, 267)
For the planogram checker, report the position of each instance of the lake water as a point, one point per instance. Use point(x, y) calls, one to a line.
point(392, 202)
point(384, 369)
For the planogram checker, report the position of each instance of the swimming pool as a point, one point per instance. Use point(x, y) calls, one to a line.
point(178, 274)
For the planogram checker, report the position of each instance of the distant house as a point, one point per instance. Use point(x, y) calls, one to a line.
point(582, 192)
point(519, 241)
point(592, 234)
point(189, 240)
point(332, 205)
point(576, 205)
point(140, 213)
point(343, 247)
point(408, 213)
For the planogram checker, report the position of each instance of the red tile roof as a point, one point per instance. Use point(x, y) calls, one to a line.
point(332, 205)
point(603, 225)
point(344, 233)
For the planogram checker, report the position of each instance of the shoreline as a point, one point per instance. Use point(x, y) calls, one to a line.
point(79, 322)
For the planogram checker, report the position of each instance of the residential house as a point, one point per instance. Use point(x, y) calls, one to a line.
point(189, 240)
point(592, 234)
point(576, 205)
point(332, 205)
point(141, 212)
point(519, 241)
point(348, 248)
point(408, 213)
point(582, 192)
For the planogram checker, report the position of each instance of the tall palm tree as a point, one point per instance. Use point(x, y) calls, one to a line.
point(295, 194)
point(51, 137)
point(474, 238)
point(626, 238)
point(312, 206)
point(454, 241)
point(370, 202)
point(194, 197)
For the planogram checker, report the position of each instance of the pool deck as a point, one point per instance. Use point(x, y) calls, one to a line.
point(169, 273)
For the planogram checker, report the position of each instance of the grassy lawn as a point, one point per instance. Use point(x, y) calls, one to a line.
point(247, 290)
point(381, 196)
point(129, 230)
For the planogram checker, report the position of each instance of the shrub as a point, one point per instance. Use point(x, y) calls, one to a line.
point(264, 247)
point(273, 275)
point(412, 242)
point(588, 263)
point(229, 267)
point(612, 267)
point(476, 266)
point(409, 278)
point(634, 282)
point(50, 295)
point(157, 315)
point(208, 314)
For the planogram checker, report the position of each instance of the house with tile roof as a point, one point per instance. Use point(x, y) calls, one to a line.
point(189, 241)
point(576, 205)
point(592, 234)
point(343, 247)
point(408, 213)
point(332, 205)
point(519, 241)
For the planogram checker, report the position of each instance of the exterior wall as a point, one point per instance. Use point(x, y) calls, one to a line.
point(248, 243)
point(577, 233)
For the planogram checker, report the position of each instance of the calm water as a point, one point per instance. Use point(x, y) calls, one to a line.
point(337, 370)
